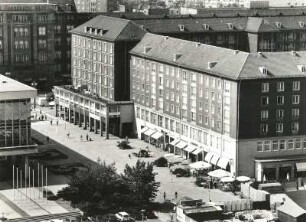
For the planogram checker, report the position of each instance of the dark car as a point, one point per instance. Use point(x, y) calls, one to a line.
point(123, 145)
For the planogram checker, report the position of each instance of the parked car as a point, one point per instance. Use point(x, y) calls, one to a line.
point(123, 216)
point(123, 145)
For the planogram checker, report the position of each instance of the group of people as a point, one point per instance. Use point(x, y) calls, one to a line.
point(87, 138)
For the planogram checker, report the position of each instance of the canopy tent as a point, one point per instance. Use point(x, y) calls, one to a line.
point(223, 162)
point(168, 155)
point(208, 157)
point(181, 145)
point(227, 179)
point(144, 129)
point(52, 103)
point(149, 132)
point(157, 135)
point(174, 142)
point(219, 173)
point(200, 165)
point(243, 179)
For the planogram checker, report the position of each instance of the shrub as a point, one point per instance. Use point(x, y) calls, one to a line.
point(161, 162)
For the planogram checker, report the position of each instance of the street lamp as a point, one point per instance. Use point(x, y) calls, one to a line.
point(34, 84)
point(142, 215)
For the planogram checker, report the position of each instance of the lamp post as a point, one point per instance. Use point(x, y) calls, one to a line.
point(142, 215)
point(34, 84)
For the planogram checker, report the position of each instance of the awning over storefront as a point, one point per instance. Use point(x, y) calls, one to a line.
point(157, 135)
point(190, 148)
point(208, 157)
point(174, 142)
point(301, 167)
point(223, 162)
point(149, 132)
point(197, 151)
point(144, 129)
point(181, 145)
point(214, 159)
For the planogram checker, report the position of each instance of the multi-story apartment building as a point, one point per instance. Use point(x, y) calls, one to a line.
point(100, 75)
point(239, 111)
point(15, 124)
point(34, 40)
point(96, 6)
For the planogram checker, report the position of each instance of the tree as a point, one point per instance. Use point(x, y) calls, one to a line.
point(140, 180)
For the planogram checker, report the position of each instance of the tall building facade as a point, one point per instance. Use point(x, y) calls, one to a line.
point(34, 41)
point(15, 123)
point(100, 75)
point(96, 6)
point(223, 106)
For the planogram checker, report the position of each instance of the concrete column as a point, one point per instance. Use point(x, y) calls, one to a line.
point(80, 118)
point(56, 110)
point(84, 118)
point(101, 126)
point(74, 116)
point(277, 172)
point(95, 126)
point(69, 110)
point(89, 123)
point(107, 123)
point(292, 172)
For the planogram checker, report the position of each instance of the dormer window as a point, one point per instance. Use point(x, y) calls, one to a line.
point(206, 26)
point(181, 27)
point(302, 68)
point(230, 26)
point(302, 24)
point(176, 56)
point(278, 25)
point(263, 70)
point(146, 49)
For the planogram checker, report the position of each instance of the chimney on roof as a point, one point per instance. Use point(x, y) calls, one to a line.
point(198, 44)
point(166, 38)
point(176, 56)
point(211, 65)
point(236, 52)
point(146, 49)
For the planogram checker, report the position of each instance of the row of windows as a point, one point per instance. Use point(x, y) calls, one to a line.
point(264, 128)
point(21, 31)
point(199, 135)
point(21, 44)
point(94, 56)
point(22, 58)
point(264, 114)
point(280, 100)
point(92, 44)
point(276, 145)
point(265, 87)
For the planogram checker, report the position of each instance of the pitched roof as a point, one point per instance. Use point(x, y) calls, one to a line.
point(193, 55)
point(227, 63)
point(192, 25)
point(115, 29)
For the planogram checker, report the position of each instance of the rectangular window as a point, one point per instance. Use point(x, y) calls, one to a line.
point(279, 113)
point(295, 99)
point(265, 87)
point(296, 85)
point(275, 145)
point(304, 143)
point(264, 100)
point(267, 146)
point(42, 30)
point(297, 143)
point(263, 129)
point(280, 100)
point(295, 113)
point(290, 145)
point(295, 127)
point(264, 114)
point(279, 127)
point(282, 145)
point(259, 146)
point(280, 86)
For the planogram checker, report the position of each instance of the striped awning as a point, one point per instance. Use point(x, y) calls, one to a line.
point(149, 132)
point(157, 135)
point(174, 142)
point(190, 148)
point(214, 159)
point(144, 129)
point(223, 162)
point(197, 151)
point(208, 157)
point(181, 145)
point(301, 167)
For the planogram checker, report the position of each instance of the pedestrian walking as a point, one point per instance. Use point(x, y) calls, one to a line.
point(56, 122)
point(127, 139)
point(130, 156)
point(51, 122)
point(68, 134)
point(165, 196)
point(42, 117)
point(47, 139)
point(87, 137)
point(81, 138)
point(175, 194)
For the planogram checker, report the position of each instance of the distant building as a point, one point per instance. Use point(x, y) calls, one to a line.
point(34, 40)
point(99, 97)
point(242, 112)
point(273, 3)
point(96, 6)
point(15, 124)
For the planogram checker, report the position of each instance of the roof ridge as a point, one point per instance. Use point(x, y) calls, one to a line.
point(241, 68)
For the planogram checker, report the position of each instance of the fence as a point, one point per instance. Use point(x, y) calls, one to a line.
point(253, 194)
point(238, 205)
